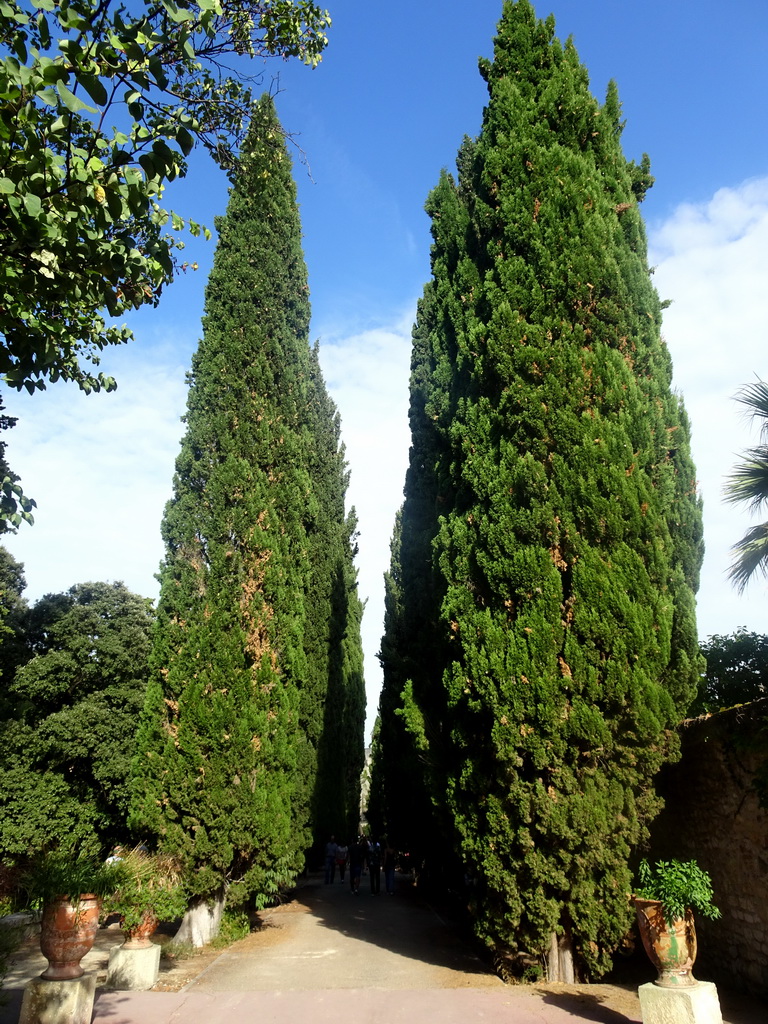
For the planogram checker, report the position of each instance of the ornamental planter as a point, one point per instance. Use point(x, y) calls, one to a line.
point(140, 935)
point(148, 889)
point(671, 946)
point(67, 933)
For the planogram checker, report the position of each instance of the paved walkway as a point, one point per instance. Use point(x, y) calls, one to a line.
point(328, 938)
point(330, 955)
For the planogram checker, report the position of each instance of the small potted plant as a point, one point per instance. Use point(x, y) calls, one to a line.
point(667, 894)
point(69, 890)
point(149, 889)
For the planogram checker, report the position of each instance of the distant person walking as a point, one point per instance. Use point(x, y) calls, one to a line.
point(330, 860)
point(342, 855)
point(357, 852)
point(388, 863)
point(374, 866)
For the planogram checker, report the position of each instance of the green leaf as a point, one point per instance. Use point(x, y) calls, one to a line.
point(185, 140)
point(7, 186)
point(52, 72)
point(95, 88)
point(20, 48)
point(44, 30)
point(166, 160)
point(71, 102)
point(148, 165)
point(48, 96)
point(33, 205)
point(176, 14)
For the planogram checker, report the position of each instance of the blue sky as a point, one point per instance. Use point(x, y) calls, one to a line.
point(387, 109)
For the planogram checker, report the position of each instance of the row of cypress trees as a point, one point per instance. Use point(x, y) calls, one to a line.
point(251, 744)
point(540, 642)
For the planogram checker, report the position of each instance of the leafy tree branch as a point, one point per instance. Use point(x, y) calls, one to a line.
point(100, 106)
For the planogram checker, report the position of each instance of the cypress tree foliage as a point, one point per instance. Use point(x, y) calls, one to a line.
point(544, 645)
point(227, 764)
point(341, 751)
point(333, 700)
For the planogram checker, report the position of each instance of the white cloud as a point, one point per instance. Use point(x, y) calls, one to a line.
point(100, 467)
point(711, 261)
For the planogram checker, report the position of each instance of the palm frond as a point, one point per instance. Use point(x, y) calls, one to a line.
point(755, 398)
point(748, 483)
point(751, 556)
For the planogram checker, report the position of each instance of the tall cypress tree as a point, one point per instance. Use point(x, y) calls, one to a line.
point(227, 763)
point(333, 701)
point(551, 532)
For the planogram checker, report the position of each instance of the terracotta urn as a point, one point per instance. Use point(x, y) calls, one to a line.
point(671, 946)
point(139, 936)
point(67, 933)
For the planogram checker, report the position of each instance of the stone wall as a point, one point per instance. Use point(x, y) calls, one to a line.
point(713, 814)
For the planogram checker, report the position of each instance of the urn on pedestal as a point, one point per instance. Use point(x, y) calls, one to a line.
point(69, 889)
point(668, 893)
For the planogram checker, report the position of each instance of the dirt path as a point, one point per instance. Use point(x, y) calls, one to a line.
point(329, 938)
point(327, 954)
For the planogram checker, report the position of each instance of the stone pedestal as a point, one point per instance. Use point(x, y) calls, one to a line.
point(133, 969)
point(695, 1005)
point(58, 1002)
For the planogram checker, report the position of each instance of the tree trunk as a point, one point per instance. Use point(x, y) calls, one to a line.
point(201, 923)
point(560, 961)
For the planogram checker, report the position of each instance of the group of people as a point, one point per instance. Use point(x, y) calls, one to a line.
point(362, 855)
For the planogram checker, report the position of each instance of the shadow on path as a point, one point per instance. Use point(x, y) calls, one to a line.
point(586, 1006)
point(403, 924)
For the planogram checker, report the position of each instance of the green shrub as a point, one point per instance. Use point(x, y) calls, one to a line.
point(678, 886)
point(146, 883)
point(53, 875)
point(235, 925)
